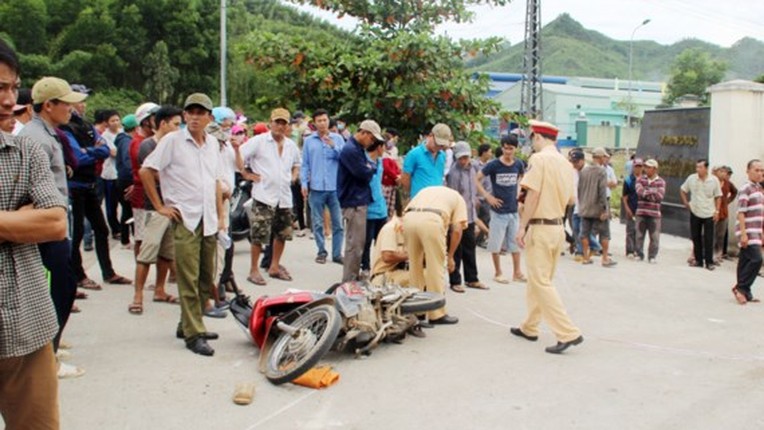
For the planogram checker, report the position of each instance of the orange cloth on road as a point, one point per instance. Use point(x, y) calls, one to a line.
point(318, 377)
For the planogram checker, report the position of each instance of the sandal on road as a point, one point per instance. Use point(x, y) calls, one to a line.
point(257, 279)
point(89, 284)
point(457, 288)
point(520, 278)
point(135, 308)
point(282, 274)
point(118, 280)
point(477, 285)
point(167, 298)
point(500, 279)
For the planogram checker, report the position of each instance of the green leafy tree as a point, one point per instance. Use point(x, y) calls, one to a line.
point(15, 18)
point(760, 79)
point(160, 76)
point(692, 72)
point(394, 71)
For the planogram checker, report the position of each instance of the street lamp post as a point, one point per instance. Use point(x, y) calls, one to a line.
point(631, 61)
point(223, 52)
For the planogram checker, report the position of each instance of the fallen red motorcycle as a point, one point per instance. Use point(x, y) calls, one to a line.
point(296, 329)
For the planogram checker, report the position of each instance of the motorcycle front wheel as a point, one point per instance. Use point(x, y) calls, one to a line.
point(422, 302)
point(291, 355)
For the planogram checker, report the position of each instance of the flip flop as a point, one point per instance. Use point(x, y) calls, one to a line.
point(244, 393)
point(169, 298)
point(281, 275)
point(257, 279)
point(75, 309)
point(501, 280)
point(588, 261)
point(457, 288)
point(89, 284)
point(477, 286)
point(81, 295)
point(135, 308)
point(118, 280)
point(283, 270)
point(609, 263)
point(520, 278)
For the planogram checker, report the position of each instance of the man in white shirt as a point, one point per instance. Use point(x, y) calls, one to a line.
point(705, 194)
point(190, 170)
point(274, 160)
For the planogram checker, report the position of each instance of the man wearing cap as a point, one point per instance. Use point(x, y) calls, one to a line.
point(190, 170)
point(462, 179)
point(274, 161)
point(650, 190)
point(144, 115)
point(22, 110)
point(629, 206)
point(594, 208)
point(125, 175)
point(320, 164)
point(549, 186)
point(430, 216)
point(505, 173)
point(425, 165)
point(158, 246)
point(90, 149)
point(52, 100)
point(355, 172)
point(31, 211)
point(705, 199)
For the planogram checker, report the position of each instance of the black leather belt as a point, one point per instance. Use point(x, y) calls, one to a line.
point(545, 221)
point(431, 210)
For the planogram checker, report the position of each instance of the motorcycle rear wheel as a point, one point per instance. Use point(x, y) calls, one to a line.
point(292, 355)
point(422, 302)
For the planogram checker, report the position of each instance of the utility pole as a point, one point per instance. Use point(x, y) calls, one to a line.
point(531, 99)
point(631, 61)
point(223, 52)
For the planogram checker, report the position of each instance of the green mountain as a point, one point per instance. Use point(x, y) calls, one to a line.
point(569, 49)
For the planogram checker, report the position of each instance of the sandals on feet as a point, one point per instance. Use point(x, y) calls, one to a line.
point(457, 288)
point(501, 280)
point(256, 279)
point(167, 298)
point(739, 296)
point(520, 278)
point(135, 308)
point(477, 285)
point(282, 274)
point(118, 280)
point(89, 284)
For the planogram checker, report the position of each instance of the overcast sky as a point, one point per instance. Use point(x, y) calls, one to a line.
point(715, 21)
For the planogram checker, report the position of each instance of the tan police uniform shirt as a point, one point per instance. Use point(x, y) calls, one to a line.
point(449, 202)
point(390, 238)
point(550, 174)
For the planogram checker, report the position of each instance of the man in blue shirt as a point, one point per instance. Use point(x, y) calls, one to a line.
point(505, 173)
point(424, 166)
point(355, 172)
point(629, 206)
point(320, 162)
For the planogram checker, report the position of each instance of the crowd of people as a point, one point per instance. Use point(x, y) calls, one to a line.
point(161, 180)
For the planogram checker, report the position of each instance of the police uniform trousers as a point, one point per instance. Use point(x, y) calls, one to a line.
point(544, 243)
point(425, 237)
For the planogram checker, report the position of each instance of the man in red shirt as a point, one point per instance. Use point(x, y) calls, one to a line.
point(145, 117)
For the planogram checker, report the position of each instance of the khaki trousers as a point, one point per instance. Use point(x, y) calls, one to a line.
point(544, 243)
point(29, 391)
point(398, 277)
point(195, 257)
point(426, 242)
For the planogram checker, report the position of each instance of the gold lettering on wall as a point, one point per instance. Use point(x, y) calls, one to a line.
point(679, 140)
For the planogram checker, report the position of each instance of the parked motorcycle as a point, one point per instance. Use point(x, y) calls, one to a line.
point(239, 229)
point(296, 329)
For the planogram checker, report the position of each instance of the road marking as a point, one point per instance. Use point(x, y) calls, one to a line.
point(281, 411)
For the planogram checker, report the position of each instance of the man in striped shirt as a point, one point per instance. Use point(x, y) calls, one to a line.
point(750, 221)
point(651, 189)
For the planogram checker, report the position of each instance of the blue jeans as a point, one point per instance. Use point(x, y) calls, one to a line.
point(594, 244)
point(318, 200)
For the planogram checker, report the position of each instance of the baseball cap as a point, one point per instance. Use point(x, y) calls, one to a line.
point(129, 122)
point(222, 113)
point(298, 115)
point(599, 152)
point(198, 99)
point(280, 113)
point(651, 163)
point(638, 162)
point(145, 110)
point(23, 99)
point(372, 127)
point(542, 127)
point(462, 149)
point(442, 134)
point(50, 88)
point(576, 155)
point(238, 129)
point(214, 129)
point(82, 89)
point(260, 128)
